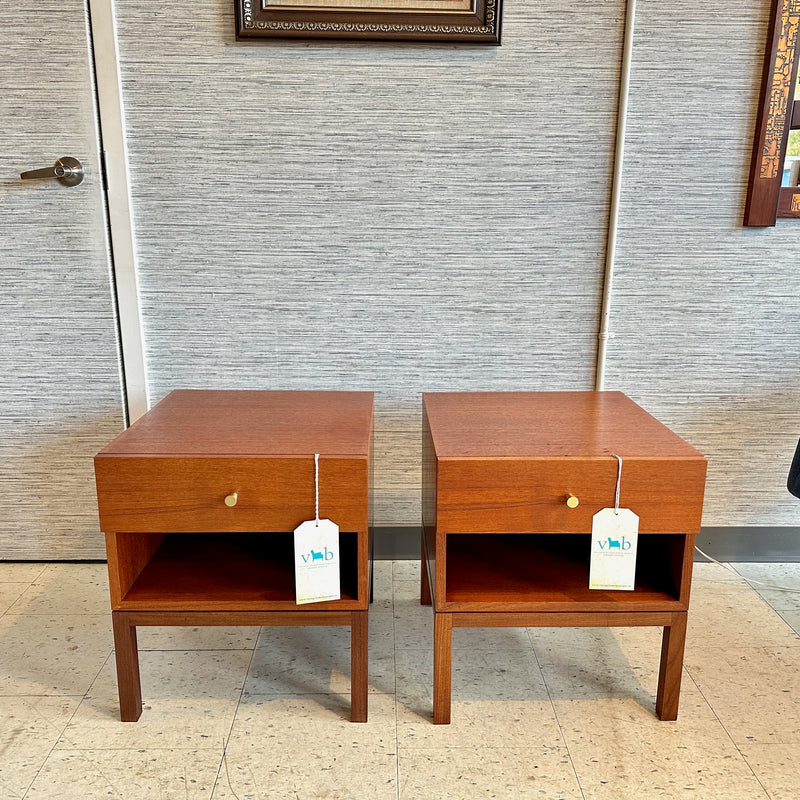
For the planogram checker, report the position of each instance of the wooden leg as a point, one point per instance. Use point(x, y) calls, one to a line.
point(127, 655)
point(424, 587)
point(359, 663)
point(442, 667)
point(669, 676)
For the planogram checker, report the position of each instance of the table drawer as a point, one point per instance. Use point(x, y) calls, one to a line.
point(485, 495)
point(152, 494)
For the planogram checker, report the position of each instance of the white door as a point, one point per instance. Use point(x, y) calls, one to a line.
point(61, 395)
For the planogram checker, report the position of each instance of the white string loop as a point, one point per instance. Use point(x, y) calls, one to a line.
point(316, 489)
point(619, 481)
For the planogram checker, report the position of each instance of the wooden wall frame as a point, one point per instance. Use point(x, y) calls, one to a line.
point(476, 21)
point(779, 113)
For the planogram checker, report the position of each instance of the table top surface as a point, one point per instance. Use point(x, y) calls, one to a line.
point(193, 422)
point(547, 425)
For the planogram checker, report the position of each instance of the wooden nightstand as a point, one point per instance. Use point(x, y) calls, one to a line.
point(198, 500)
point(501, 546)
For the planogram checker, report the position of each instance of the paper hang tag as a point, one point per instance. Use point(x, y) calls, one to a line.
point(316, 561)
point(612, 564)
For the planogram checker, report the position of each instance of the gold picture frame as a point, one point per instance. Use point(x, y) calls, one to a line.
point(476, 21)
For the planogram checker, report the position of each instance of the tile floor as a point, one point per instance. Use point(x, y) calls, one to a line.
point(244, 713)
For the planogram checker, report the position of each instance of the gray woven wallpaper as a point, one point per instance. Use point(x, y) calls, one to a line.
point(401, 218)
point(706, 313)
point(60, 391)
point(406, 218)
point(393, 217)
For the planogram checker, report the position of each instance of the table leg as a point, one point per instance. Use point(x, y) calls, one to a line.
point(359, 663)
point(424, 587)
point(669, 676)
point(127, 656)
point(442, 667)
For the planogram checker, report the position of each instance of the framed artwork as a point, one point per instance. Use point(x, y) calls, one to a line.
point(773, 190)
point(476, 21)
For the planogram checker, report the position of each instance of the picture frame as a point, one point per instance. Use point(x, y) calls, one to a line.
point(464, 21)
point(768, 199)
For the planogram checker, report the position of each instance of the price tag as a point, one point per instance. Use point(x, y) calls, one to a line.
point(316, 561)
point(615, 533)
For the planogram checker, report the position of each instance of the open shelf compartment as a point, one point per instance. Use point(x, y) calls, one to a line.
point(244, 571)
point(550, 572)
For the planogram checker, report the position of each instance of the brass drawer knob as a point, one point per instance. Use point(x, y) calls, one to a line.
point(231, 499)
point(572, 501)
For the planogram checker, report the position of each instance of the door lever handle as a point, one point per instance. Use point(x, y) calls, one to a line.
point(67, 171)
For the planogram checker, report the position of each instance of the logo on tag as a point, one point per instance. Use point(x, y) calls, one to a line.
point(621, 544)
point(322, 555)
point(615, 535)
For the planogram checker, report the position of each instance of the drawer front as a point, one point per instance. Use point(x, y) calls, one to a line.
point(530, 495)
point(166, 494)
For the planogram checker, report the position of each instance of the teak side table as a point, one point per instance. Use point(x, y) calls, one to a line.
point(502, 547)
point(198, 500)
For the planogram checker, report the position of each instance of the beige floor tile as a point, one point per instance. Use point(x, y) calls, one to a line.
point(755, 692)
point(733, 615)
point(708, 571)
point(70, 774)
point(29, 729)
point(777, 767)
point(497, 698)
point(315, 660)
point(408, 570)
point(501, 640)
point(52, 654)
point(382, 580)
point(207, 637)
point(602, 662)
point(623, 752)
point(778, 575)
point(294, 739)
point(189, 700)
point(321, 772)
point(20, 571)
point(301, 719)
point(413, 623)
point(304, 747)
point(792, 619)
point(468, 773)
point(9, 594)
point(67, 589)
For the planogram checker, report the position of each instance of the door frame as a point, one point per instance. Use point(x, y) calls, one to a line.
point(113, 149)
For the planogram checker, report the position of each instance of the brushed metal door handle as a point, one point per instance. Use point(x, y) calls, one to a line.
point(67, 171)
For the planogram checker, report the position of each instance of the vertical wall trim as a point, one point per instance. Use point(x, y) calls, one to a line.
point(112, 125)
point(613, 218)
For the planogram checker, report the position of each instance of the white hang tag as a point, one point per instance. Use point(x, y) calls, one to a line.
point(615, 534)
point(316, 555)
point(316, 561)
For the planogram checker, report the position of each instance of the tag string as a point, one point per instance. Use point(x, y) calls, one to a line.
point(619, 481)
point(316, 489)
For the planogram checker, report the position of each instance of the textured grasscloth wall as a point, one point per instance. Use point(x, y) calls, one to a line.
point(707, 314)
point(371, 216)
point(60, 398)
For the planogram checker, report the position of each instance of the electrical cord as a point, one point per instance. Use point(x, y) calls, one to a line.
point(794, 590)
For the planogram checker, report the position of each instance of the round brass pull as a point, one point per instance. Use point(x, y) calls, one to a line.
point(572, 501)
point(231, 499)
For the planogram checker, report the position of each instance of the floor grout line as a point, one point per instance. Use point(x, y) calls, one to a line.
point(724, 728)
point(226, 741)
point(67, 723)
point(396, 723)
point(555, 714)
